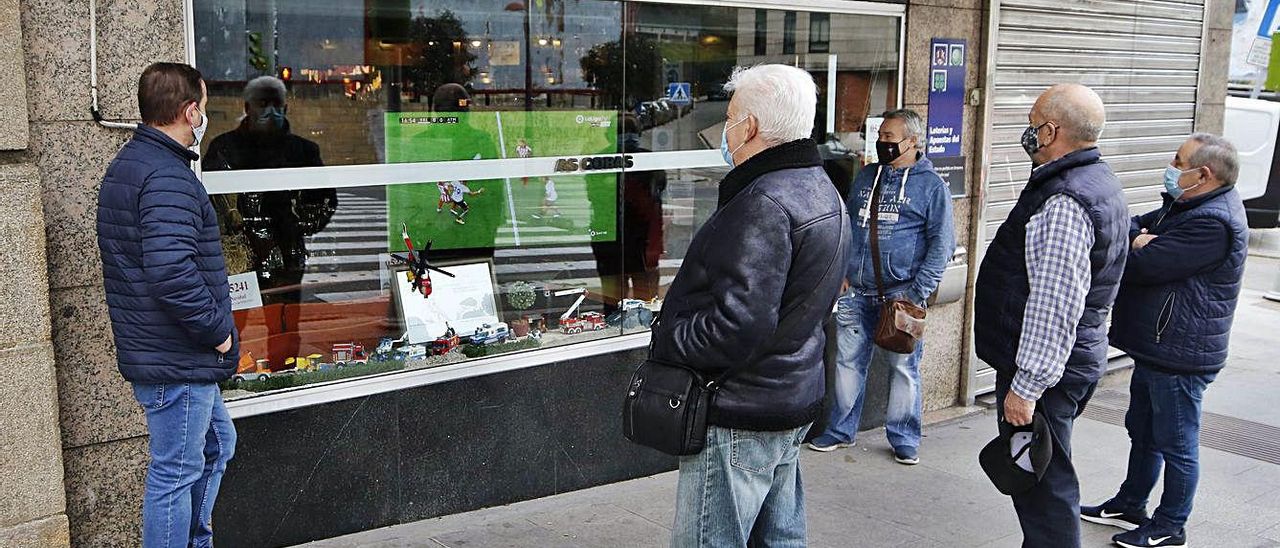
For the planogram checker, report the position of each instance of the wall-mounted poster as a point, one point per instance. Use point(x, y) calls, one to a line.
point(946, 112)
point(463, 302)
point(576, 207)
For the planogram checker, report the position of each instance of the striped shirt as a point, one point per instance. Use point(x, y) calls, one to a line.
point(1059, 238)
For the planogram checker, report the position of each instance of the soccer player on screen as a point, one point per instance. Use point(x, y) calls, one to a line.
point(523, 150)
point(458, 195)
point(443, 186)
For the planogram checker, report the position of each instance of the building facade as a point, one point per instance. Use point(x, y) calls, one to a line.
point(555, 156)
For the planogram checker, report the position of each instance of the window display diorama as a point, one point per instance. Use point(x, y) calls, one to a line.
point(414, 183)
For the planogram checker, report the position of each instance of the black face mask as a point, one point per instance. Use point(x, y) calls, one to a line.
point(1031, 139)
point(888, 151)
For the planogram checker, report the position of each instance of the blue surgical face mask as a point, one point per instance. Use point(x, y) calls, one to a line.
point(1171, 176)
point(271, 117)
point(724, 143)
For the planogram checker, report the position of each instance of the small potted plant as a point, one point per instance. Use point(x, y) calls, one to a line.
point(520, 296)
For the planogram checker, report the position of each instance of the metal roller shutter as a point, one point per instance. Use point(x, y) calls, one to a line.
point(1141, 56)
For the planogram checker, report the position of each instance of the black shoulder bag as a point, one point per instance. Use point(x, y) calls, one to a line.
point(666, 404)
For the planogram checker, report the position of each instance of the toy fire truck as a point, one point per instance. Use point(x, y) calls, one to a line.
point(349, 354)
point(445, 344)
point(588, 321)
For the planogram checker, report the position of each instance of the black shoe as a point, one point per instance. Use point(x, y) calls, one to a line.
point(1106, 515)
point(1152, 536)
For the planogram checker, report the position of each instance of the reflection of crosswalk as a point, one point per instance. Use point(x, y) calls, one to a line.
point(348, 258)
point(567, 220)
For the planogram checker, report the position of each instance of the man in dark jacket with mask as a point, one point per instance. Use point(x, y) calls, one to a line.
point(170, 306)
point(1173, 316)
point(1045, 287)
point(274, 225)
point(750, 301)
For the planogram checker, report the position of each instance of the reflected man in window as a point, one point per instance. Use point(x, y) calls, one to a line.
point(628, 265)
point(271, 227)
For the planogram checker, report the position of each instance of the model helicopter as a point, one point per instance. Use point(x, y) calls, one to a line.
point(419, 274)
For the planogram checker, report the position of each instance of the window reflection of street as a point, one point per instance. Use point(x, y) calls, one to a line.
point(264, 232)
point(531, 73)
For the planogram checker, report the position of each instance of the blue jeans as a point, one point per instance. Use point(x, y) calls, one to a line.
point(744, 487)
point(1164, 426)
point(192, 439)
point(856, 318)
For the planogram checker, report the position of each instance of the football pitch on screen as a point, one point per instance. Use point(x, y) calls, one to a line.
point(562, 209)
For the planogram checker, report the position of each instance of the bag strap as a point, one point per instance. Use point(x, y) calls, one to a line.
point(785, 326)
point(875, 231)
point(875, 224)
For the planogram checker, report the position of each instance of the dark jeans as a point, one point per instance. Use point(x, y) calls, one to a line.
point(1050, 511)
point(1164, 426)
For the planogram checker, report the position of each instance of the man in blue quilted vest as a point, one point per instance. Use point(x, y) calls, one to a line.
point(1043, 293)
point(170, 306)
point(1173, 316)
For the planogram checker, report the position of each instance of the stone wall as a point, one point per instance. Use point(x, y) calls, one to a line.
point(1215, 63)
point(32, 501)
point(946, 349)
point(102, 444)
point(32, 508)
point(13, 94)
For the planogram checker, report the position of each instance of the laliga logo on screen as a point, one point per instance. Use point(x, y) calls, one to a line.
point(593, 163)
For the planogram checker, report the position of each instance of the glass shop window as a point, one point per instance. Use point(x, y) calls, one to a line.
point(405, 184)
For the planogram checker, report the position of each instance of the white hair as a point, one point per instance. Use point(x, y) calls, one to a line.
point(783, 99)
point(912, 120)
point(264, 87)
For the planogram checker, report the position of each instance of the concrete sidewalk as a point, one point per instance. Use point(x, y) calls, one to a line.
point(860, 497)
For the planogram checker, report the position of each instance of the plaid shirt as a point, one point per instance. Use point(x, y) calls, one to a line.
point(1059, 238)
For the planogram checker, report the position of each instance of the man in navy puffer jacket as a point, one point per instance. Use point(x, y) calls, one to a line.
point(1173, 316)
point(170, 307)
